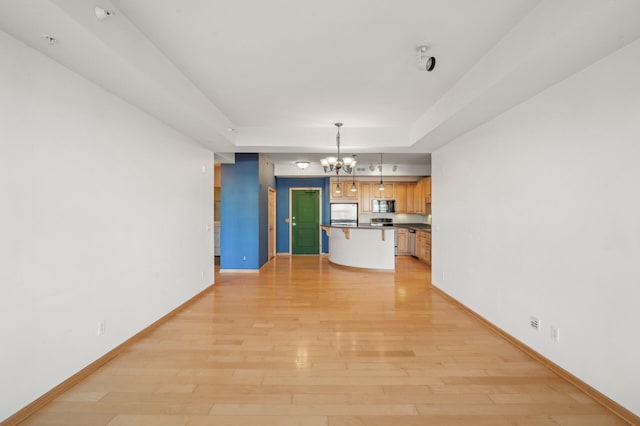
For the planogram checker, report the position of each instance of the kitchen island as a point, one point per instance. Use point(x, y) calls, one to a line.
point(363, 246)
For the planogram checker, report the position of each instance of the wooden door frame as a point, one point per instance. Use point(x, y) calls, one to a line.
point(319, 217)
point(272, 217)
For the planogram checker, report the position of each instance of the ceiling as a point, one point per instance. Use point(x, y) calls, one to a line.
point(273, 76)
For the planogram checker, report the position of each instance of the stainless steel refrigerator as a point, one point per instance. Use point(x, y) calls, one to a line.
point(344, 214)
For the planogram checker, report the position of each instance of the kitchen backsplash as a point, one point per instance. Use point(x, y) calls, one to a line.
point(397, 218)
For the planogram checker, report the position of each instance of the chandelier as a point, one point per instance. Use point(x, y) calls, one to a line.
point(337, 163)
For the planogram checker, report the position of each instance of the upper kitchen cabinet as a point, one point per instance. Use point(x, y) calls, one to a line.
point(411, 190)
point(422, 195)
point(364, 198)
point(427, 195)
point(410, 197)
point(401, 197)
point(345, 194)
point(387, 193)
point(418, 198)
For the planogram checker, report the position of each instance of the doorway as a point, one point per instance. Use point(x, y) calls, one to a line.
point(272, 223)
point(305, 221)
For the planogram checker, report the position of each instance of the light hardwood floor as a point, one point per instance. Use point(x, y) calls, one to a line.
point(305, 342)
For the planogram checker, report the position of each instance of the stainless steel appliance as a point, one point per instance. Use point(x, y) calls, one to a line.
point(383, 206)
point(411, 234)
point(344, 214)
point(381, 221)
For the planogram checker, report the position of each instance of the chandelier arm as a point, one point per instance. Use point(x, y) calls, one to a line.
point(330, 164)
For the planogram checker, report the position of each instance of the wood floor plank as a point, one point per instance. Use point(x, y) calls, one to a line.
point(305, 342)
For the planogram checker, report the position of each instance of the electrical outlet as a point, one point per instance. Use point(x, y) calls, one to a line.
point(555, 333)
point(442, 275)
point(535, 323)
point(202, 275)
point(102, 327)
point(244, 258)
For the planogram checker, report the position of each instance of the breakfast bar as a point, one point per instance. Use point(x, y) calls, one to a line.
point(362, 246)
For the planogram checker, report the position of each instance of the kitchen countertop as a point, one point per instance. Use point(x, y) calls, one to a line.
point(360, 226)
point(416, 226)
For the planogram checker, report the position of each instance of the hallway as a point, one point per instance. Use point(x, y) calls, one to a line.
point(304, 342)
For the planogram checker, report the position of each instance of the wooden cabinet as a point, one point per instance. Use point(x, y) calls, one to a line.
point(345, 195)
point(364, 197)
point(422, 195)
point(423, 246)
point(387, 193)
point(411, 189)
point(427, 189)
point(420, 245)
point(428, 248)
point(410, 197)
point(418, 197)
point(403, 242)
point(401, 197)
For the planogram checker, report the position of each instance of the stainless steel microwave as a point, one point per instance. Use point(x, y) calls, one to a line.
point(383, 206)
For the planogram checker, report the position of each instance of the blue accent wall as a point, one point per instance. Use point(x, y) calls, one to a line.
point(240, 213)
point(283, 185)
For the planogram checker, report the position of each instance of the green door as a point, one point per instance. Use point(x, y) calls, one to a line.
point(305, 222)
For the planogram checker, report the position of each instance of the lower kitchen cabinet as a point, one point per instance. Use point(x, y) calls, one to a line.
point(423, 246)
point(403, 242)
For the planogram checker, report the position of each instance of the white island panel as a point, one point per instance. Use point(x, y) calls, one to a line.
point(372, 248)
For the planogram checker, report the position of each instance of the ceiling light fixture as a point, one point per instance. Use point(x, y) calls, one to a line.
point(302, 164)
point(102, 13)
point(338, 163)
point(353, 181)
point(50, 39)
point(424, 61)
point(381, 186)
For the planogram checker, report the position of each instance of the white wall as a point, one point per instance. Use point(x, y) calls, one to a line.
point(537, 213)
point(103, 215)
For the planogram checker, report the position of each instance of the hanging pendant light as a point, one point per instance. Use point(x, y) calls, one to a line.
point(338, 163)
point(381, 186)
point(353, 182)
